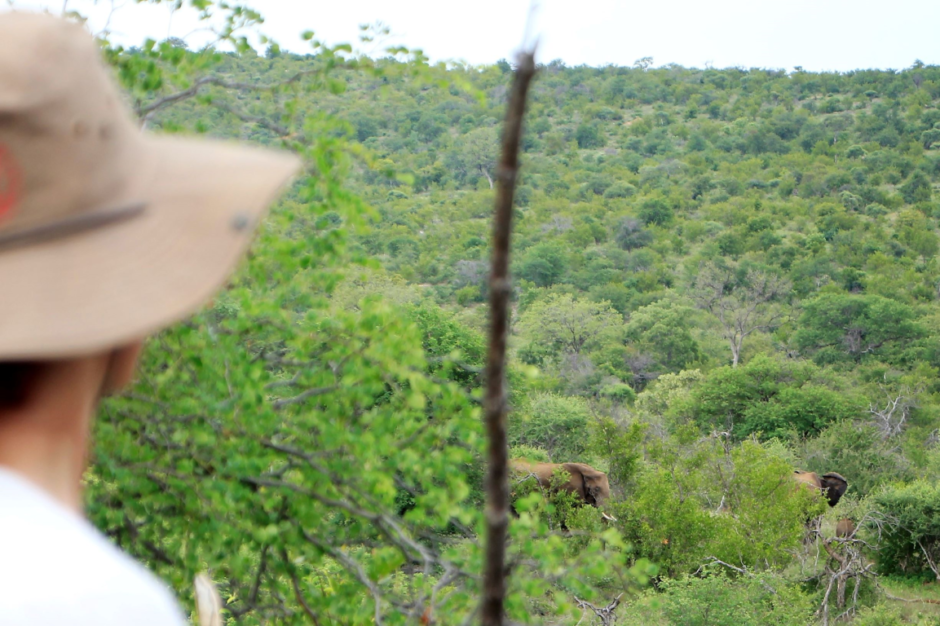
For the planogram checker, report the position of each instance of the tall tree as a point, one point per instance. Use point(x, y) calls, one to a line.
point(479, 150)
point(743, 305)
point(840, 326)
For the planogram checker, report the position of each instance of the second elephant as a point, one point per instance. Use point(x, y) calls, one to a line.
point(845, 527)
point(832, 485)
point(590, 485)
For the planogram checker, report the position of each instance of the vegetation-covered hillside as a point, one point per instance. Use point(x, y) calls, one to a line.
point(721, 276)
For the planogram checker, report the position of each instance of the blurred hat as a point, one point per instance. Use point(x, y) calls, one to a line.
point(107, 233)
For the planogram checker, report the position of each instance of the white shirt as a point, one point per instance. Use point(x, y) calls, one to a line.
point(56, 569)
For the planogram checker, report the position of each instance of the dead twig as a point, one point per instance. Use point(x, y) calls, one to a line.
point(603, 613)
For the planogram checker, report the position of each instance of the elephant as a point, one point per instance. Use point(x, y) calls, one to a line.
point(832, 485)
point(590, 485)
point(845, 527)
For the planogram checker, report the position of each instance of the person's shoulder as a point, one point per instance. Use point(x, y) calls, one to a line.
point(57, 569)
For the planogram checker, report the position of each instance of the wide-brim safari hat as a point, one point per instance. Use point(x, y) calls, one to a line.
point(107, 233)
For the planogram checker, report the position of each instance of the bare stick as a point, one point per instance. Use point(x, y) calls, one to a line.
point(497, 481)
point(605, 613)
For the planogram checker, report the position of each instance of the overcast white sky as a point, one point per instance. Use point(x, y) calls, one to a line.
point(816, 34)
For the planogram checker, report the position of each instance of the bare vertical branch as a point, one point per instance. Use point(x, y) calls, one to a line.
point(497, 482)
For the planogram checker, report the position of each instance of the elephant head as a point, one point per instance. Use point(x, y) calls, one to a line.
point(832, 485)
point(592, 485)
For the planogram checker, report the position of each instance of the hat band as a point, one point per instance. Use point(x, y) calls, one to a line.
point(69, 226)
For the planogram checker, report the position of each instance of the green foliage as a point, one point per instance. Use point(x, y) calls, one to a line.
point(669, 394)
point(453, 349)
point(718, 599)
point(631, 234)
point(837, 327)
point(635, 183)
point(543, 264)
point(556, 424)
point(313, 440)
point(661, 329)
point(655, 211)
point(673, 515)
point(911, 542)
point(621, 447)
point(857, 450)
point(559, 324)
point(619, 190)
point(588, 135)
point(770, 398)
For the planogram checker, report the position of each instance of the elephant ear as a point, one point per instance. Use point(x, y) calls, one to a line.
point(835, 486)
point(592, 484)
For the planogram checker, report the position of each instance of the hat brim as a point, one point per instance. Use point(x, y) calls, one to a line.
point(101, 288)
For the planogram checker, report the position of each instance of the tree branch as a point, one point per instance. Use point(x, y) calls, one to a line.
point(310, 393)
point(497, 481)
point(279, 130)
point(145, 111)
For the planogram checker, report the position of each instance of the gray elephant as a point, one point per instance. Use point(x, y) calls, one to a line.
point(832, 485)
point(845, 527)
point(590, 485)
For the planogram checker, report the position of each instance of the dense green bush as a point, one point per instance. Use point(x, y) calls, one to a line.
point(717, 598)
point(698, 501)
point(556, 424)
point(910, 542)
point(838, 327)
point(769, 397)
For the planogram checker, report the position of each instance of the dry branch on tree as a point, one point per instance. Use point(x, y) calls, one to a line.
point(891, 419)
point(742, 307)
point(845, 560)
point(603, 613)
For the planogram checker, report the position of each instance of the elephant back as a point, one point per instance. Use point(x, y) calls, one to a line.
point(807, 478)
point(520, 466)
point(845, 527)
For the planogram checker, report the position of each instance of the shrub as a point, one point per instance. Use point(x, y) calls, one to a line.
point(670, 516)
point(620, 190)
point(855, 152)
point(529, 453)
point(619, 392)
point(589, 136)
point(543, 264)
point(906, 545)
point(655, 211)
point(858, 452)
point(631, 234)
point(768, 397)
point(556, 424)
point(717, 599)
